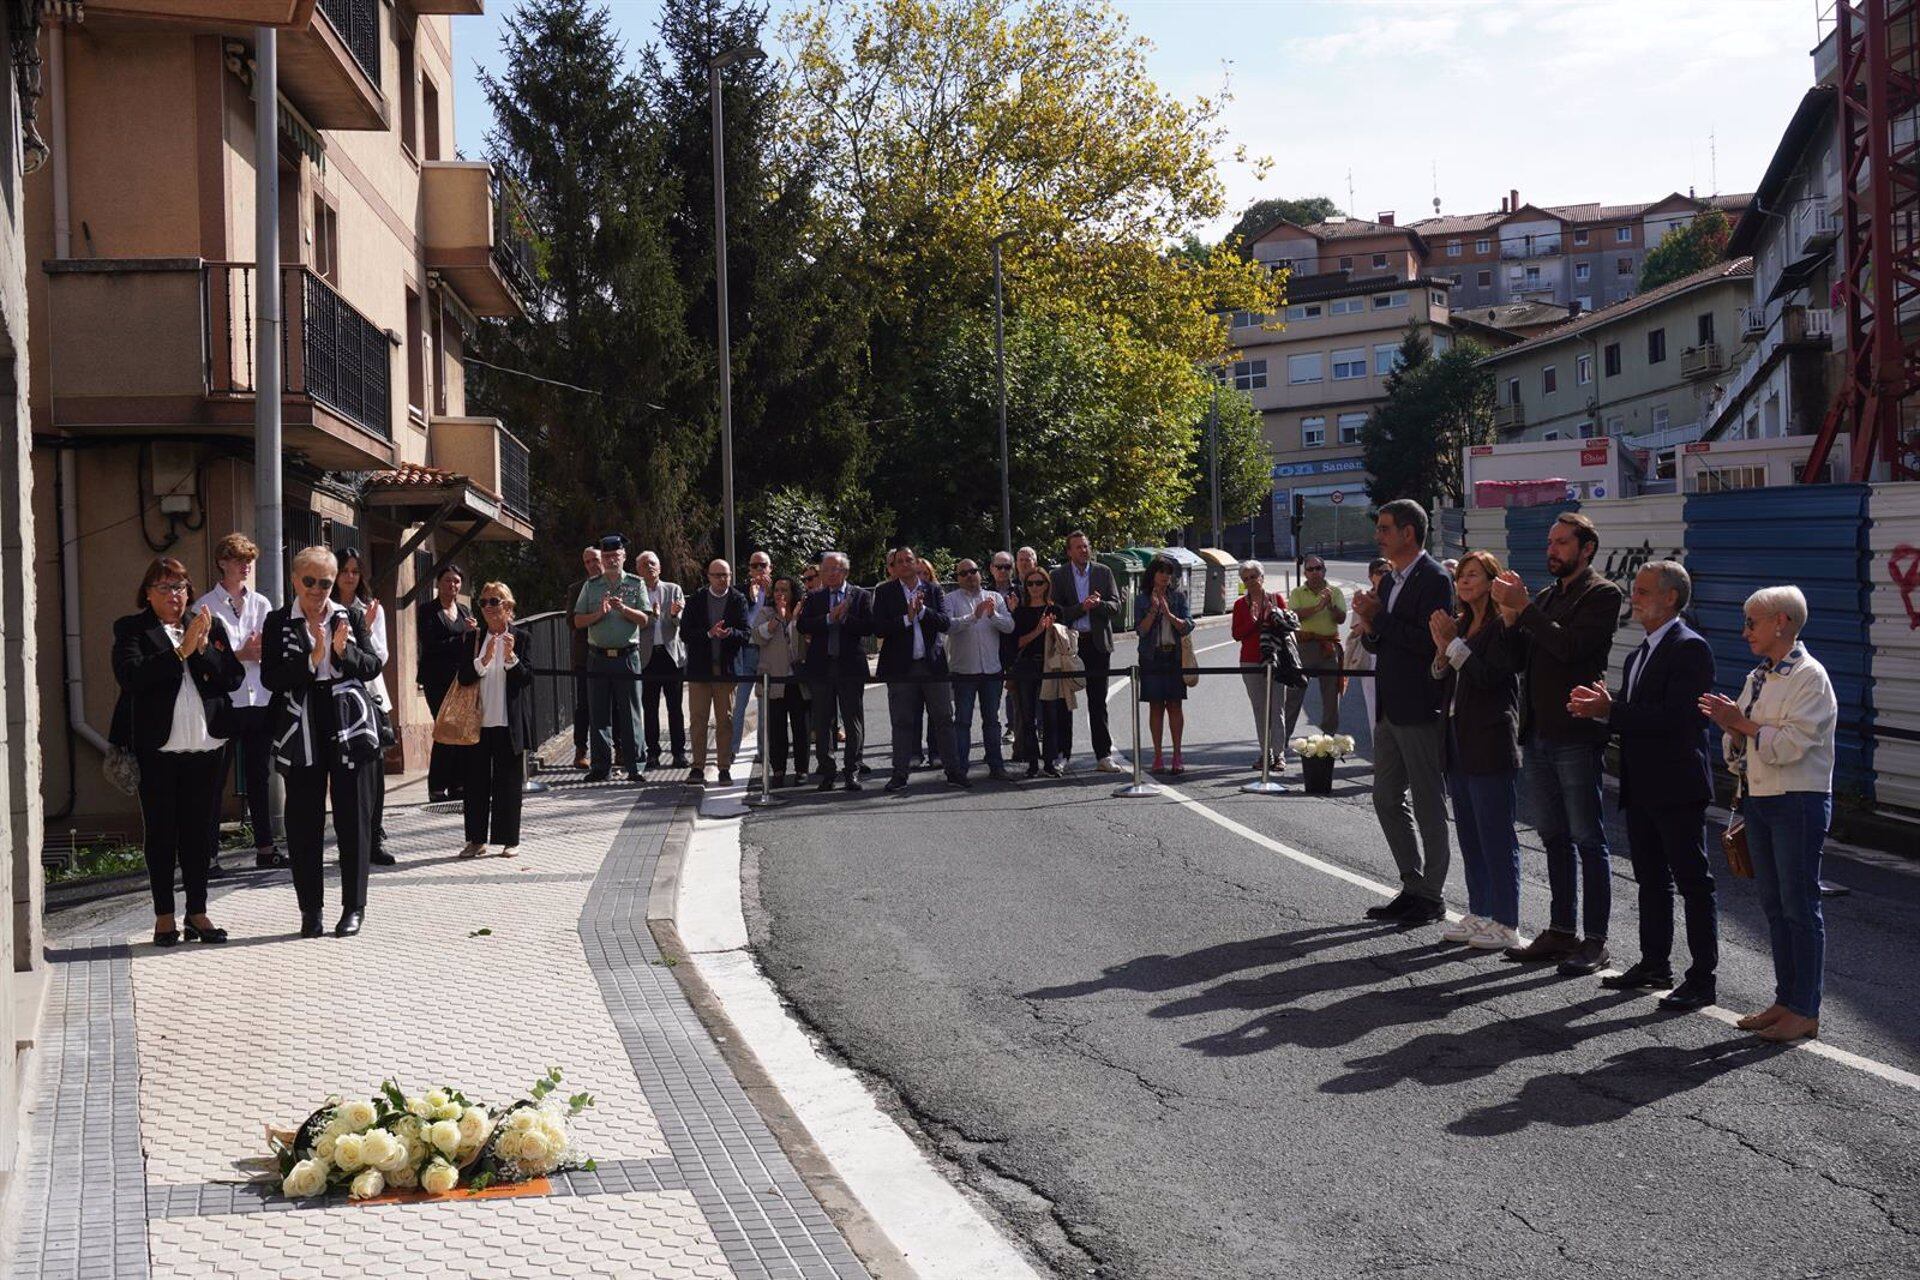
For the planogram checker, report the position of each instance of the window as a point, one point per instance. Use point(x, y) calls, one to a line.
point(1579, 237)
point(1533, 277)
point(1513, 391)
point(1379, 261)
point(1350, 424)
point(1703, 324)
point(1724, 478)
point(1485, 280)
point(1551, 435)
point(1453, 248)
point(1346, 306)
point(1610, 359)
point(1249, 375)
point(1346, 264)
point(416, 357)
point(1304, 311)
point(437, 352)
point(1623, 235)
point(1582, 370)
point(1623, 266)
point(1387, 301)
point(1349, 364)
point(429, 119)
point(1483, 245)
point(1662, 416)
point(1586, 430)
point(1247, 319)
point(1583, 271)
point(1616, 425)
point(326, 241)
point(1386, 358)
point(1313, 433)
point(1656, 346)
point(409, 107)
point(1549, 380)
point(1435, 298)
point(1303, 369)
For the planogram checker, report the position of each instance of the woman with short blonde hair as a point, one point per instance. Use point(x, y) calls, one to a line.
point(499, 659)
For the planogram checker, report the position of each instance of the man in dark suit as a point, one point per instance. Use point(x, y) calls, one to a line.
point(833, 618)
point(714, 627)
point(910, 617)
point(1089, 601)
point(1407, 755)
point(1666, 782)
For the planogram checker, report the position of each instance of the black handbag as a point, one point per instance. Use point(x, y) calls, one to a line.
point(1280, 648)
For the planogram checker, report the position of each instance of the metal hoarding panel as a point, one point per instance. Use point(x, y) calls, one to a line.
point(1893, 575)
point(1527, 540)
point(1632, 532)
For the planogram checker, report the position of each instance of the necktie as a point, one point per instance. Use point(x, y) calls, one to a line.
point(1640, 657)
point(833, 628)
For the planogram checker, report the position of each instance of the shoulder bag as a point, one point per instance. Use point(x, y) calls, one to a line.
point(1733, 841)
point(457, 723)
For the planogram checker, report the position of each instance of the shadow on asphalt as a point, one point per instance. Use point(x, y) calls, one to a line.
point(1166, 972)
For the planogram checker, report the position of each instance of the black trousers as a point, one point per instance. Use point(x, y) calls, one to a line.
point(1669, 850)
point(659, 678)
point(1039, 727)
point(250, 750)
point(845, 695)
point(444, 774)
point(908, 704)
point(582, 717)
point(1099, 665)
point(789, 724)
point(179, 797)
point(352, 787)
point(496, 778)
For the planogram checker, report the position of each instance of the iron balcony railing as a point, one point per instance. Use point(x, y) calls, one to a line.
point(516, 486)
point(328, 350)
point(512, 236)
point(357, 22)
point(1702, 361)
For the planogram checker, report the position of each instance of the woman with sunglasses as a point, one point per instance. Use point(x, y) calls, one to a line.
point(498, 659)
point(788, 711)
point(312, 646)
point(350, 589)
point(176, 674)
point(1036, 737)
point(445, 625)
point(1160, 618)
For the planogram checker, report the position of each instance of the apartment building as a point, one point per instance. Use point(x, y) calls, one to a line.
point(143, 298)
point(1643, 370)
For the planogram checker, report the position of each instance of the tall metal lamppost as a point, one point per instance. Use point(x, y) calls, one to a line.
point(715, 65)
point(1000, 373)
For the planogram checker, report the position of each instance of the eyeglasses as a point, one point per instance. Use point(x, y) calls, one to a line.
point(314, 584)
point(492, 602)
point(172, 588)
point(1316, 568)
point(969, 573)
point(1002, 564)
point(759, 564)
point(719, 576)
point(1036, 582)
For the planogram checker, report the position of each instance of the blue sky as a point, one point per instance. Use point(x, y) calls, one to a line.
point(1566, 100)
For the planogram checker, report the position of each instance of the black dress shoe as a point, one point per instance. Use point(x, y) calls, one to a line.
point(1688, 996)
point(268, 859)
point(1051, 769)
point(959, 780)
point(779, 781)
point(1033, 771)
point(826, 782)
point(852, 784)
point(1001, 775)
point(1422, 912)
point(348, 926)
point(214, 869)
point(636, 775)
point(1640, 977)
point(596, 775)
point(165, 937)
point(1393, 909)
point(679, 760)
point(310, 926)
point(209, 934)
point(381, 858)
point(896, 783)
point(725, 777)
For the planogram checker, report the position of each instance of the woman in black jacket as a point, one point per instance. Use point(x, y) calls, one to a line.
point(446, 628)
point(169, 721)
point(316, 659)
point(1477, 659)
point(498, 658)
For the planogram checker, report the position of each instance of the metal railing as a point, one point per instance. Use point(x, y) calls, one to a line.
point(1521, 249)
point(516, 486)
point(1509, 415)
point(1700, 361)
point(1753, 321)
point(1817, 322)
point(553, 695)
point(344, 360)
point(512, 236)
point(357, 22)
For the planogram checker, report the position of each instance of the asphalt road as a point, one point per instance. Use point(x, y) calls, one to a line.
point(1159, 1049)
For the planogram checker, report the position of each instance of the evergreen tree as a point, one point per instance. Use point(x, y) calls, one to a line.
point(1262, 214)
point(1436, 407)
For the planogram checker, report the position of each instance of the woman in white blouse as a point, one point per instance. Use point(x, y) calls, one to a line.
point(781, 647)
point(499, 660)
point(350, 589)
point(176, 676)
point(1779, 743)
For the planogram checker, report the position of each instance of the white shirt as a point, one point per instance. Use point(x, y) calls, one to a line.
point(1797, 714)
point(1082, 584)
point(1652, 642)
point(377, 641)
point(492, 665)
point(243, 624)
point(913, 624)
point(189, 713)
point(325, 671)
point(973, 644)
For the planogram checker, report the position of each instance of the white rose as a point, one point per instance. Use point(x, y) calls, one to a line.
point(534, 1147)
point(522, 1120)
point(555, 1130)
point(308, 1178)
point(436, 1099)
point(417, 1150)
point(350, 1152)
point(383, 1151)
point(355, 1116)
point(445, 1135)
point(507, 1145)
point(439, 1178)
point(403, 1179)
point(324, 1147)
point(407, 1128)
point(419, 1107)
point(368, 1185)
point(475, 1125)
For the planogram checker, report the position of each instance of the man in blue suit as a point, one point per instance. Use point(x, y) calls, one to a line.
point(833, 618)
point(910, 618)
point(1665, 784)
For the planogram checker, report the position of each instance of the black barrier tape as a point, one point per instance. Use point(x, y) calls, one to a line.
point(1116, 673)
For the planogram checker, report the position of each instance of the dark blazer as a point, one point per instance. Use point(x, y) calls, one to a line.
point(286, 664)
point(1101, 617)
point(149, 676)
point(1569, 629)
point(1664, 752)
point(813, 624)
point(519, 681)
point(702, 612)
point(1481, 702)
point(1402, 641)
point(896, 633)
point(440, 647)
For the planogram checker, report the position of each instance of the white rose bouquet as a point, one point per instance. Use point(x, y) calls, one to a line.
point(1332, 746)
point(534, 1137)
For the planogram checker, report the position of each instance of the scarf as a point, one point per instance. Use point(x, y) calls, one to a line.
point(1756, 681)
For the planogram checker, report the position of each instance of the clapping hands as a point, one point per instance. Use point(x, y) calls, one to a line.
point(1445, 630)
point(1509, 592)
point(1590, 701)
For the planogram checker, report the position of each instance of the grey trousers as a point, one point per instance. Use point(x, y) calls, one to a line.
point(1276, 695)
point(1406, 758)
point(906, 703)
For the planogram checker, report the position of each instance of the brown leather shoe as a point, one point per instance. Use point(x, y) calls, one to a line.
point(1551, 944)
point(1763, 1019)
point(1589, 958)
point(1789, 1027)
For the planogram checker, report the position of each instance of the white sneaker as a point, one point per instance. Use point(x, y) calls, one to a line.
point(1463, 928)
point(1111, 764)
point(1494, 936)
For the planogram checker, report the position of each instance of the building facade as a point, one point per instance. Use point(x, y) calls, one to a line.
point(144, 302)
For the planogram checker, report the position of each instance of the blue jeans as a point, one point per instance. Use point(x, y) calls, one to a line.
point(1564, 780)
point(1785, 835)
point(1483, 809)
point(747, 664)
point(984, 690)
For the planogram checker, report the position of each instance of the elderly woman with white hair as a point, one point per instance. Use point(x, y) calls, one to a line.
point(1257, 613)
point(316, 658)
point(1779, 744)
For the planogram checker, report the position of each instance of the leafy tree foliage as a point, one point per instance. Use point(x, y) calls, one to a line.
point(1262, 214)
point(1436, 407)
point(1684, 250)
point(1245, 459)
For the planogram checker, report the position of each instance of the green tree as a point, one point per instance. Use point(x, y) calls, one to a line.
point(1687, 249)
point(791, 525)
point(1245, 460)
point(1436, 407)
point(1262, 214)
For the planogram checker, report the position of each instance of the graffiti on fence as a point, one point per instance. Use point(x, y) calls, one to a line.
point(1903, 567)
point(1622, 563)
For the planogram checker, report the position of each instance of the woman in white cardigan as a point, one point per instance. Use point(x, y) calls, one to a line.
point(1779, 743)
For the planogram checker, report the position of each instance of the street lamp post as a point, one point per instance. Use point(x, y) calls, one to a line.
point(714, 67)
point(1213, 459)
point(1000, 372)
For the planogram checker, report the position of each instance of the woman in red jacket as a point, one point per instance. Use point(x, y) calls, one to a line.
point(1255, 613)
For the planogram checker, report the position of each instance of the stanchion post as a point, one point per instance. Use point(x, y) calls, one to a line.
point(1139, 786)
point(1266, 786)
point(766, 799)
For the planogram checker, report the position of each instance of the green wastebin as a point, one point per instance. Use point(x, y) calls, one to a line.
point(1126, 577)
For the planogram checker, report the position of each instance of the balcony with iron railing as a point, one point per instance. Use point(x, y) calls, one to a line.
point(478, 235)
point(491, 457)
point(1754, 321)
point(330, 68)
point(1703, 361)
point(1815, 228)
point(1535, 248)
point(1508, 417)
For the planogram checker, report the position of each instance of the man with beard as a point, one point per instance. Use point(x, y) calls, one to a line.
point(1569, 631)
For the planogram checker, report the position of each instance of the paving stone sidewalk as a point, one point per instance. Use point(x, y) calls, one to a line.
point(160, 1069)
